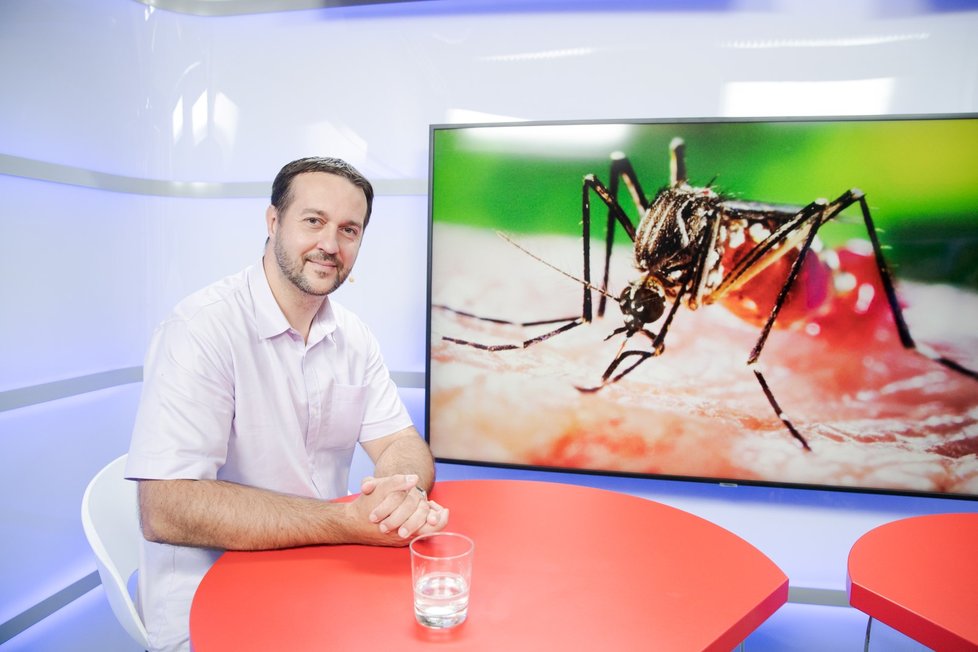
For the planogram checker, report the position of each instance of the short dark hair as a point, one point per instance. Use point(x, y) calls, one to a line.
point(282, 186)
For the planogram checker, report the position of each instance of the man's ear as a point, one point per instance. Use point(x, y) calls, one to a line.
point(271, 220)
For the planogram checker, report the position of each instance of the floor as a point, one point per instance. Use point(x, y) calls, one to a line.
point(87, 625)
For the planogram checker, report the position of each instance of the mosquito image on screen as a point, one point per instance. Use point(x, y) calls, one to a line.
point(782, 301)
point(692, 248)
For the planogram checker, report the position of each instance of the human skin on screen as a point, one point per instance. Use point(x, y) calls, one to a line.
point(850, 404)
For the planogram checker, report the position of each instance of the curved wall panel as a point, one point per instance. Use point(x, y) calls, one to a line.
point(120, 87)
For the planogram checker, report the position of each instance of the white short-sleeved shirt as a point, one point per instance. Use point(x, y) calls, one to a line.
point(232, 392)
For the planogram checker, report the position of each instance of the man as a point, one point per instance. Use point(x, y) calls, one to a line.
point(256, 392)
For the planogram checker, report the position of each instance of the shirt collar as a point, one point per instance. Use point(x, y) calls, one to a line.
point(271, 320)
point(323, 324)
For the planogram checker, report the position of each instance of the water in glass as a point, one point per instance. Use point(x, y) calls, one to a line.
point(441, 599)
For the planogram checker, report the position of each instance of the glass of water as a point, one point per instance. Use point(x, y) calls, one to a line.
point(441, 569)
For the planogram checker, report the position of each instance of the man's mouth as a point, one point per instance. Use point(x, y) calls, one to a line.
point(327, 263)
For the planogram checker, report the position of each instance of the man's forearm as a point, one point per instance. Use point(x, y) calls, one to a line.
point(229, 516)
point(406, 454)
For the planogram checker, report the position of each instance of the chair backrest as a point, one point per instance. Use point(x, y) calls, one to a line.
point(110, 518)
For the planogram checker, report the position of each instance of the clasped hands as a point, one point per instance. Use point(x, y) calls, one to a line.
point(399, 508)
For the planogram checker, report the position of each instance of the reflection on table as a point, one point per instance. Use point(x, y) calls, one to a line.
point(561, 566)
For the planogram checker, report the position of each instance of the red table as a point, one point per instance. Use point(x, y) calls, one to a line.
point(920, 576)
point(561, 566)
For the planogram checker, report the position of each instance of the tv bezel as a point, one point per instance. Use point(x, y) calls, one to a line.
point(434, 128)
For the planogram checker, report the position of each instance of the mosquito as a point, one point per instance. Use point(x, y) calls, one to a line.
point(692, 248)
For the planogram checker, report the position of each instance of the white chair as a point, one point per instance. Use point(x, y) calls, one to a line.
point(110, 518)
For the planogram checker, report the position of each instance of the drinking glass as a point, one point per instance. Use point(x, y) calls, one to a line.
point(441, 570)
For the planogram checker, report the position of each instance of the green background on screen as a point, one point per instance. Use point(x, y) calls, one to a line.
point(920, 177)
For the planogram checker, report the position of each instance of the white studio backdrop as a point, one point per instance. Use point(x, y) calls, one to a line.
point(137, 146)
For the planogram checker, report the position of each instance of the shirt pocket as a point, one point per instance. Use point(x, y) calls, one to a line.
point(343, 410)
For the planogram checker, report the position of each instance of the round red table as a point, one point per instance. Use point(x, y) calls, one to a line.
point(560, 566)
point(919, 575)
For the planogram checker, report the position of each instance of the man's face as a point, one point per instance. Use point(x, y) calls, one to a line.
point(317, 237)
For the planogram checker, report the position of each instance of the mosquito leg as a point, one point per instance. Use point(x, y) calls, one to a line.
point(567, 324)
point(621, 170)
point(591, 183)
point(884, 271)
point(586, 252)
point(818, 209)
point(507, 322)
point(522, 345)
point(657, 341)
point(887, 280)
point(777, 409)
point(606, 377)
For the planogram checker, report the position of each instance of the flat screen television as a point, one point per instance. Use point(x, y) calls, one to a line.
point(768, 301)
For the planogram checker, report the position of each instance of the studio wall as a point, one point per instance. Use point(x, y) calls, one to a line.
point(137, 145)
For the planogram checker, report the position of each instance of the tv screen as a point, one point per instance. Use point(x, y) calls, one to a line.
point(773, 301)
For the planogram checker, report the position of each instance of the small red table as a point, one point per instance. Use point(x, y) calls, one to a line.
point(919, 575)
point(560, 566)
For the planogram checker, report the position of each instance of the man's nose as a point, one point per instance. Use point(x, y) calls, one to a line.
point(327, 240)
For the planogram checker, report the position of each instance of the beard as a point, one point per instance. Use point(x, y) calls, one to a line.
point(293, 269)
